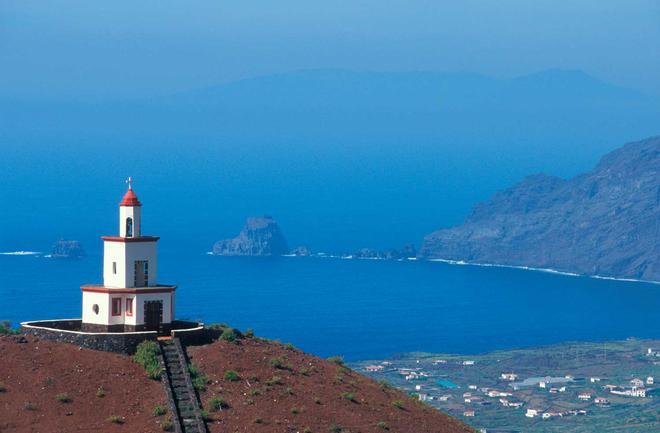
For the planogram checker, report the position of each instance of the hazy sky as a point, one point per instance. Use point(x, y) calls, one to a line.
point(83, 48)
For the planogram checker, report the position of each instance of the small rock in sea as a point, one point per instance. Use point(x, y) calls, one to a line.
point(67, 249)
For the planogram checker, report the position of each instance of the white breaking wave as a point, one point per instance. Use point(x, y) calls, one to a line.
point(547, 270)
point(20, 253)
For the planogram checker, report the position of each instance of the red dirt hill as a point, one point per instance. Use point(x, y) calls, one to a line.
point(279, 389)
point(34, 373)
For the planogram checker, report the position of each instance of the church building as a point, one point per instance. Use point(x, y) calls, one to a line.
point(130, 298)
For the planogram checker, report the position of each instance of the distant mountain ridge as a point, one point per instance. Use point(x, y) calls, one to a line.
point(605, 222)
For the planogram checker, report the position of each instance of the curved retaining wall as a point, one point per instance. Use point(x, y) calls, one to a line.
point(56, 330)
point(69, 331)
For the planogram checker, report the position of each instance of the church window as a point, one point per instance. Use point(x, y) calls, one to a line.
point(116, 306)
point(129, 227)
point(129, 306)
point(95, 308)
point(114, 267)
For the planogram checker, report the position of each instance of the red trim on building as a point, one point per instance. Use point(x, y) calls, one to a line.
point(116, 306)
point(138, 239)
point(129, 306)
point(128, 291)
point(130, 199)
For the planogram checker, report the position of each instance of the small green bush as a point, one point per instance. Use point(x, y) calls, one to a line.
point(146, 356)
point(159, 410)
point(289, 346)
point(249, 402)
point(229, 334)
point(114, 419)
point(6, 329)
point(30, 406)
point(167, 425)
point(255, 391)
point(383, 425)
point(307, 430)
point(279, 363)
point(275, 380)
point(258, 420)
point(249, 333)
point(232, 376)
point(205, 415)
point(295, 410)
point(63, 398)
point(3, 388)
point(216, 403)
point(336, 360)
point(349, 396)
point(317, 400)
point(398, 404)
point(100, 393)
point(384, 385)
point(199, 379)
point(335, 428)
point(289, 391)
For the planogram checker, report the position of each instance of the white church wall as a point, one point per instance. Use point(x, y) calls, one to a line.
point(141, 251)
point(113, 252)
point(103, 301)
point(125, 254)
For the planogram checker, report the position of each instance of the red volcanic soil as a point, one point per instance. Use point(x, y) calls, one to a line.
point(32, 374)
point(311, 395)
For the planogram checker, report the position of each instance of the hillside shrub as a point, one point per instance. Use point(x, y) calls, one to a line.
point(63, 398)
point(232, 376)
point(167, 425)
point(30, 406)
point(227, 333)
point(335, 428)
point(6, 329)
point(159, 410)
point(114, 419)
point(216, 403)
point(3, 388)
point(382, 425)
point(349, 396)
point(336, 360)
point(275, 380)
point(146, 356)
point(199, 379)
point(398, 404)
point(280, 363)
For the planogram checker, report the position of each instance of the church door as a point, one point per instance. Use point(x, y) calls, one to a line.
point(153, 315)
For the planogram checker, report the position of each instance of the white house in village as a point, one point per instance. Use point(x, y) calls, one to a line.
point(130, 298)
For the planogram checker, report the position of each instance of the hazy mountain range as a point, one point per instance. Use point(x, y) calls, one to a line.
point(605, 222)
point(344, 159)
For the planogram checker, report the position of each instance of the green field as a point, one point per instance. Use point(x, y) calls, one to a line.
point(613, 363)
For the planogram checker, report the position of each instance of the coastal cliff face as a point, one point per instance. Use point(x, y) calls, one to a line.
point(260, 237)
point(605, 222)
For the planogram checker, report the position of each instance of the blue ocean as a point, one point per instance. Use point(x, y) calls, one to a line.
point(360, 309)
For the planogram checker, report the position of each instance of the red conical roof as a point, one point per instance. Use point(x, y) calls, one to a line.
point(130, 199)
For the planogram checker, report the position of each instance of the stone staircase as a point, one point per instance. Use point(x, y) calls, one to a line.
point(188, 418)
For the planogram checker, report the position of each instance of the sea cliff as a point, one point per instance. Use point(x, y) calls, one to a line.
point(605, 222)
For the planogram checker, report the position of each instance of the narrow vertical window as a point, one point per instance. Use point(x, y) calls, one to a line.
point(129, 306)
point(129, 227)
point(116, 306)
point(114, 267)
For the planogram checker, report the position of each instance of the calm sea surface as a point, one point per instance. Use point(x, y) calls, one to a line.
point(360, 308)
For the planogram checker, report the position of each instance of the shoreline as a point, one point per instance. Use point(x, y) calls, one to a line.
point(544, 270)
point(462, 263)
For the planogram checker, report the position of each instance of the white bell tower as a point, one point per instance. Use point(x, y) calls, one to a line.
point(130, 298)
